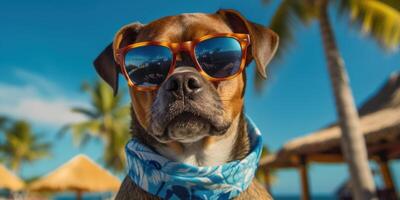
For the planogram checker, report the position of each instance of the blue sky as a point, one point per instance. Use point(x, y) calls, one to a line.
point(47, 47)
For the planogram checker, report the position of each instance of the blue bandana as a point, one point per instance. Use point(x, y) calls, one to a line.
point(178, 181)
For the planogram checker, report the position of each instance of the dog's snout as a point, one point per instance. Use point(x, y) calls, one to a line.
point(184, 83)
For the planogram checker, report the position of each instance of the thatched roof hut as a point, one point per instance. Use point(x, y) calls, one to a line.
point(9, 180)
point(380, 124)
point(80, 174)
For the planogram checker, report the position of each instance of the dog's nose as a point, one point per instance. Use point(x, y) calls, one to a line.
point(184, 83)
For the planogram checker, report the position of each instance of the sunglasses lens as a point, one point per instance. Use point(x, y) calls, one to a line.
point(219, 57)
point(148, 65)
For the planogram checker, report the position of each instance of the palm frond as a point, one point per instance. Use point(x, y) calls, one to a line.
point(63, 130)
point(22, 145)
point(288, 15)
point(107, 120)
point(122, 112)
point(38, 151)
point(379, 19)
point(106, 95)
point(88, 113)
point(119, 100)
point(114, 155)
point(81, 129)
point(285, 21)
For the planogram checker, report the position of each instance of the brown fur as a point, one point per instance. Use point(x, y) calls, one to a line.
point(184, 28)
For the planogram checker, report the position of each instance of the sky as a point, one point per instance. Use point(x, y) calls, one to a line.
point(47, 48)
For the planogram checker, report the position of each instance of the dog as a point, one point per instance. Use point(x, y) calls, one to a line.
point(189, 118)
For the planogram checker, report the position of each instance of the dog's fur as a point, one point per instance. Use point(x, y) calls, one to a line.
point(205, 127)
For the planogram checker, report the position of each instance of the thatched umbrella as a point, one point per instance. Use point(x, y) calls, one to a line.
point(10, 181)
point(380, 124)
point(80, 174)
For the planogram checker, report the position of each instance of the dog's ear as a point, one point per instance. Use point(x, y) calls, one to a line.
point(105, 63)
point(264, 42)
point(107, 68)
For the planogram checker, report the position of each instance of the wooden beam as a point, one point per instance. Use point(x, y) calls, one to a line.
point(79, 194)
point(394, 153)
point(305, 194)
point(387, 146)
point(325, 158)
point(267, 178)
point(386, 173)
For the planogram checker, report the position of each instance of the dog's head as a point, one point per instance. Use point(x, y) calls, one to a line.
point(188, 107)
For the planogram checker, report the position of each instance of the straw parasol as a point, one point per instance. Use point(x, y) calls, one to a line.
point(80, 174)
point(9, 180)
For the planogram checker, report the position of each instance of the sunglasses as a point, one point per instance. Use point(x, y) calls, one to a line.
point(217, 57)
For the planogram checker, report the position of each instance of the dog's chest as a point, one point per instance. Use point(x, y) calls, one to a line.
point(214, 153)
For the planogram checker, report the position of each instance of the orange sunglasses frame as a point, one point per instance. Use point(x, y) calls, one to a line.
point(188, 46)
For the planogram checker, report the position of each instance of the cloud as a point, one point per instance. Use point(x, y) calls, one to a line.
point(45, 85)
point(37, 100)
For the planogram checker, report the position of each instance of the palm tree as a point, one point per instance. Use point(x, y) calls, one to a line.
point(21, 145)
point(107, 119)
point(379, 19)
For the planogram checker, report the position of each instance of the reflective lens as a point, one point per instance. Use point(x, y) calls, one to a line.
point(219, 57)
point(148, 65)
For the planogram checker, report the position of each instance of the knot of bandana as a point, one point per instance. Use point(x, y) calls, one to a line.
point(178, 181)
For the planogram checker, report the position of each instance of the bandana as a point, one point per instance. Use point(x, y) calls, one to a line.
point(178, 181)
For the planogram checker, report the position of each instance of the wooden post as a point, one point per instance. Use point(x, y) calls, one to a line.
point(305, 194)
point(387, 174)
point(267, 178)
point(79, 194)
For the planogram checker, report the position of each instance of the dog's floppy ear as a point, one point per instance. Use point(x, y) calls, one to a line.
point(105, 63)
point(264, 42)
point(107, 68)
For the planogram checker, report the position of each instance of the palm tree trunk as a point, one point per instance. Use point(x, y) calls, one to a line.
point(352, 140)
point(16, 165)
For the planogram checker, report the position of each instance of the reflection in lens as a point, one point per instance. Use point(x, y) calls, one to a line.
point(148, 65)
point(219, 57)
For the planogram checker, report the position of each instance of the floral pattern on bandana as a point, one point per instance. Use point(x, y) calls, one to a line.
point(172, 180)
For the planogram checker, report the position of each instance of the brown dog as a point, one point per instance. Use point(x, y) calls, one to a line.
point(216, 133)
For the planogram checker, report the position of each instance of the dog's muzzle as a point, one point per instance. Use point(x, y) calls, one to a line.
point(187, 108)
